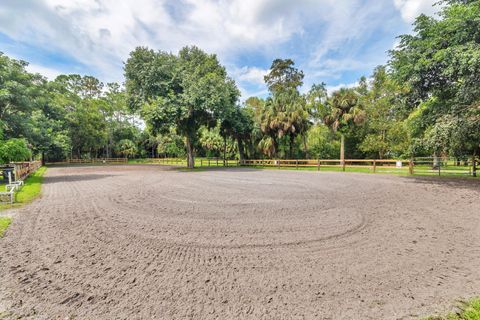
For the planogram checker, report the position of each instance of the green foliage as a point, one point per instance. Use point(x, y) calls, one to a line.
point(344, 110)
point(283, 76)
point(4, 223)
point(185, 91)
point(468, 311)
point(14, 150)
point(31, 189)
point(440, 63)
point(87, 127)
point(385, 132)
point(323, 143)
point(424, 102)
point(171, 145)
point(19, 96)
point(126, 148)
point(211, 140)
point(285, 112)
point(316, 99)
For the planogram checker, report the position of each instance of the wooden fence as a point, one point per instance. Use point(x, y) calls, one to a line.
point(421, 166)
point(93, 161)
point(21, 171)
point(202, 162)
point(372, 164)
point(24, 169)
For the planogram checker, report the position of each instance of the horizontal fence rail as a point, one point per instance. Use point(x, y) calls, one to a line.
point(202, 162)
point(446, 166)
point(17, 173)
point(372, 164)
point(92, 161)
point(24, 169)
point(422, 166)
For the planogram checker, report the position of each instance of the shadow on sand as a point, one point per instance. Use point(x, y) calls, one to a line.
point(203, 169)
point(75, 178)
point(451, 182)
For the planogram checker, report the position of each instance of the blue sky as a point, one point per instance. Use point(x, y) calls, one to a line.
point(332, 41)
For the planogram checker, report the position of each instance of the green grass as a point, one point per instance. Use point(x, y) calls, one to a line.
point(4, 223)
point(199, 162)
point(467, 311)
point(30, 190)
point(420, 170)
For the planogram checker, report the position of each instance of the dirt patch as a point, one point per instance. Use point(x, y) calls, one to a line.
point(138, 242)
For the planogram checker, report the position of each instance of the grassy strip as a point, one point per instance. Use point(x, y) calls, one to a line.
point(30, 190)
point(4, 223)
point(419, 170)
point(468, 311)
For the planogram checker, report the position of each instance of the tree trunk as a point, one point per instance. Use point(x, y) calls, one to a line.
point(275, 147)
point(474, 164)
point(292, 141)
point(224, 150)
point(190, 159)
point(241, 153)
point(305, 149)
point(342, 148)
point(43, 158)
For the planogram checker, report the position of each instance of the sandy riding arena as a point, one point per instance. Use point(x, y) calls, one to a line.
point(146, 242)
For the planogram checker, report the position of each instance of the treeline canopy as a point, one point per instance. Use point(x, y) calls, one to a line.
point(424, 102)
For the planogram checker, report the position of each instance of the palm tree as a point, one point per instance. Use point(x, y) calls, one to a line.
point(344, 110)
point(270, 125)
point(284, 114)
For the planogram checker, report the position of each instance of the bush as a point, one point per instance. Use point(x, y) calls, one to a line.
point(126, 148)
point(14, 150)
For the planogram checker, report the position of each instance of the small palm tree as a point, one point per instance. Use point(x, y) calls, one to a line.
point(345, 110)
point(126, 148)
point(285, 114)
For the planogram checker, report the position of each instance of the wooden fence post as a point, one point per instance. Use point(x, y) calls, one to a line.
point(296, 164)
point(410, 167)
point(318, 166)
point(374, 166)
point(474, 166)
point(343, 165)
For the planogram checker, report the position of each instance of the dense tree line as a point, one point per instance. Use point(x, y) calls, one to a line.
point(424, 102)
point(70, 117)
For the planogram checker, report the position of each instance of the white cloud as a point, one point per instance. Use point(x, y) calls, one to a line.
point(252, 75)
point(410, 9)
point(49, 73)
point(331, 89)
point(100, 34)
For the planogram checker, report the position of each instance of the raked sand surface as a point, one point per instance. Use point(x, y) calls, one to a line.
point(151, 242)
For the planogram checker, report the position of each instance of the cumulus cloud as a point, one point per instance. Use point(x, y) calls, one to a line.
point(49, 73)
point(337, 87)
point(250, 74)
point(410, 9)
point(325, 37)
